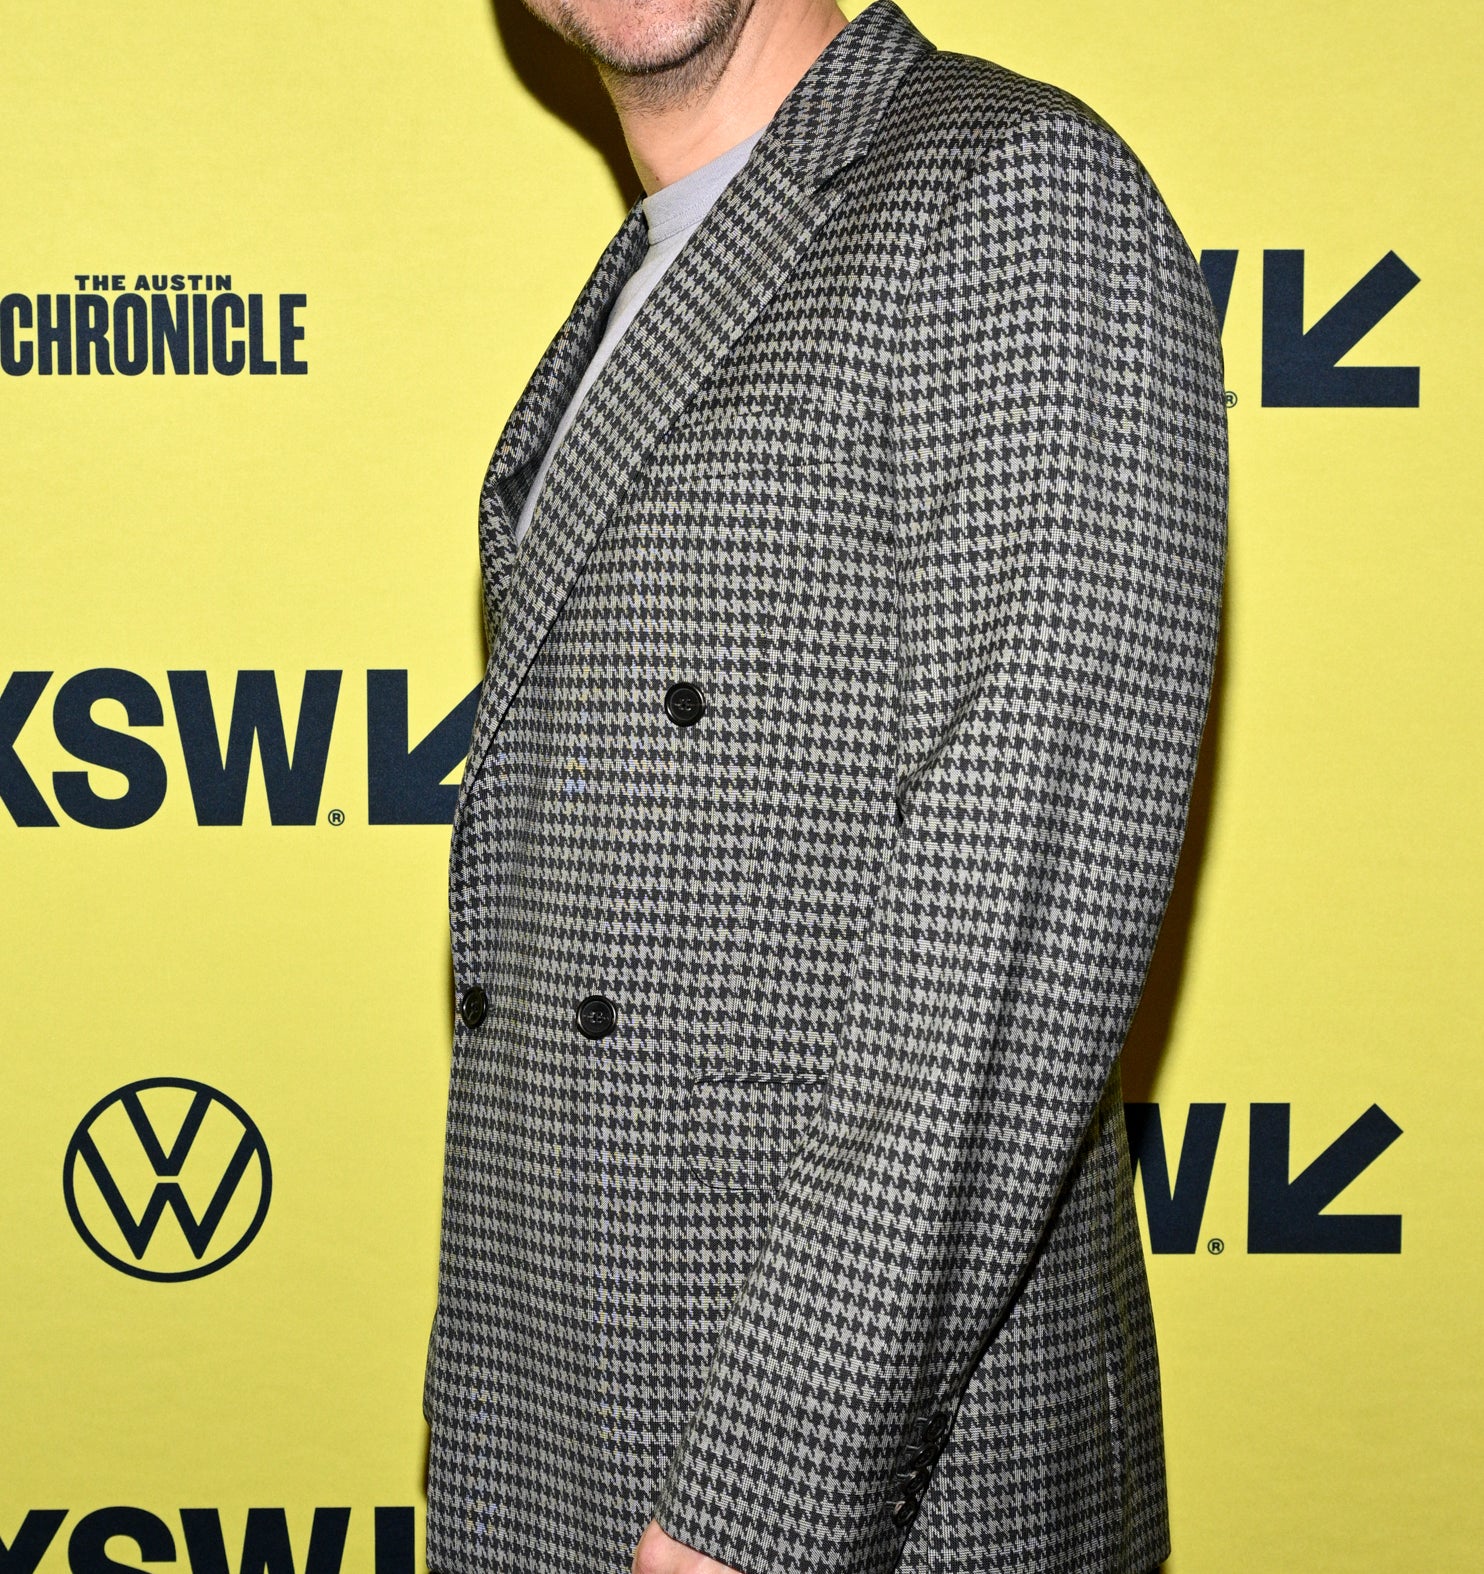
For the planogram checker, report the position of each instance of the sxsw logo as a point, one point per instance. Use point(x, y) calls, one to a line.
point(218, 744)
point(1286, 1212)
point(167, 1146)
point(267, 1547)
point(1300, 366)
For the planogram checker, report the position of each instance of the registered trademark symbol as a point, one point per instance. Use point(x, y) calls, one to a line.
point(1216, 1246)
point(1231, 399)
point(337, 817)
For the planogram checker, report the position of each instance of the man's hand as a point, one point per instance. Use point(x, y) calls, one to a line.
point(658, 1553)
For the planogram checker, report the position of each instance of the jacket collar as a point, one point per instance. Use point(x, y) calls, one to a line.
point(731, 267)
point(832, 116)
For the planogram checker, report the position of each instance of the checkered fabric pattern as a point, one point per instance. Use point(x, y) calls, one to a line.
point(914, 466)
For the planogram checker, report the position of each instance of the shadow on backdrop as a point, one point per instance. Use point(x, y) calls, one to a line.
point(563, 81)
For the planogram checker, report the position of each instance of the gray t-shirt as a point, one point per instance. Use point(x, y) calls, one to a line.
point(673, 214)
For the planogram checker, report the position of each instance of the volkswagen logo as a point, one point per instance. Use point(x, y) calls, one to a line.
point(167, 1179)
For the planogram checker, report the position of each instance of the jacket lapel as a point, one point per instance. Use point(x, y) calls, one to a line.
point(540, 407)
point(729, 270)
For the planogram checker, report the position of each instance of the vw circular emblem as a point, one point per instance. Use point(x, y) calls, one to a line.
point(167, 1179)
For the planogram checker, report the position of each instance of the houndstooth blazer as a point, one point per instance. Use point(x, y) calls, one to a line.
point(825, 795)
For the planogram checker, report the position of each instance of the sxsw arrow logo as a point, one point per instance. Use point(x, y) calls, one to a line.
point(1300, 366)
point(1286, 1215)
point(1285, 1212)
point(404, 785)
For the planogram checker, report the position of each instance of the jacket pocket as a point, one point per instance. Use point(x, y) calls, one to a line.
point(743, 1128)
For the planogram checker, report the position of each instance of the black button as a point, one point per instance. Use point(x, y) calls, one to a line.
point(596, 1017)
point(683, 704)
point(472, 1006)
point(904, 1513)
point(912, 1483)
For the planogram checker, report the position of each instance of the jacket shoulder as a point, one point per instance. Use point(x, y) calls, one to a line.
point(956, 112)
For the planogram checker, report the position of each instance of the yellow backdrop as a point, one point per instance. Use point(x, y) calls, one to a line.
point(226, 962)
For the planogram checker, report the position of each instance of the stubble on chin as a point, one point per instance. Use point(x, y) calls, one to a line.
point(661, 71)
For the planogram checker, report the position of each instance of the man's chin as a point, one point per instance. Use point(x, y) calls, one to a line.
point(630, 48)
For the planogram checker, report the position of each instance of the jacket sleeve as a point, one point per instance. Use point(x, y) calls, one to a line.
point(1061, 505)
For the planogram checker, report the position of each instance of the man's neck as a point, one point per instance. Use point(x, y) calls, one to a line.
point(676, 121)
